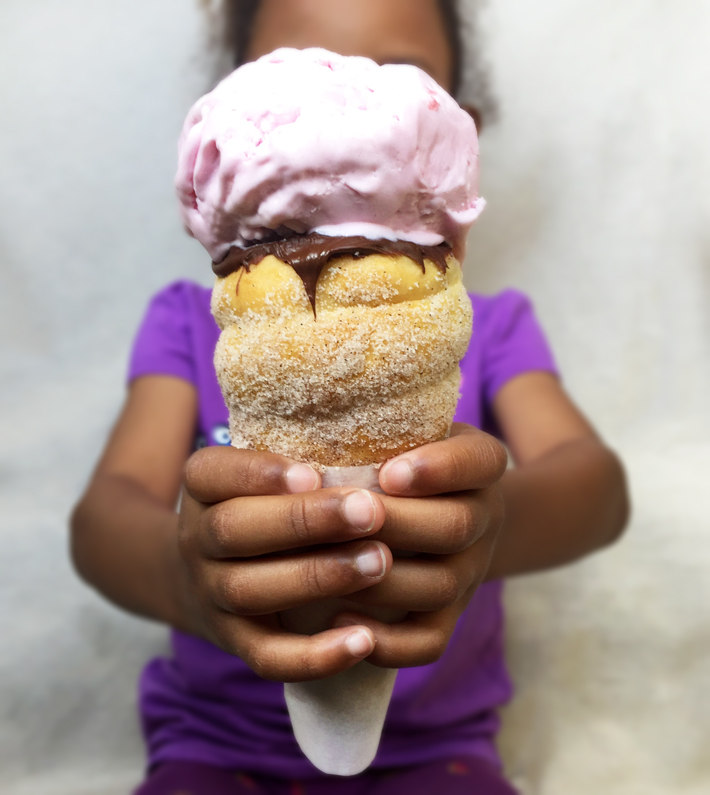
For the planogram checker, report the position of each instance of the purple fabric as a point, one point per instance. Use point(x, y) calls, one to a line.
point(207, 706)
point(454, 777)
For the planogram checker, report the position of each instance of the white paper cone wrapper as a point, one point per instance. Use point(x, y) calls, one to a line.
point(338, 721)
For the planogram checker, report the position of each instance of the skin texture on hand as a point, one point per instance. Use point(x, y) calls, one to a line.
point(228, 533)
point(444, 503)
point(257, 535)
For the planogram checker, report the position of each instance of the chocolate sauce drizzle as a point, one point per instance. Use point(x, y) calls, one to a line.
point(309, 254)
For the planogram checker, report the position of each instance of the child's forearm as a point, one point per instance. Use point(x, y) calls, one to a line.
point(124, 544)
point(569, 502)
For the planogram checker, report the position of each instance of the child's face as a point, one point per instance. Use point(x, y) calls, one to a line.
point(388, 31)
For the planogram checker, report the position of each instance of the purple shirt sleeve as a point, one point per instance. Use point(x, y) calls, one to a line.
point(513, 341)
point(163, 344)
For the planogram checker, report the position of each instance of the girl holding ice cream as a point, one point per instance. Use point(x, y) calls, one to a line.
point(213, 714)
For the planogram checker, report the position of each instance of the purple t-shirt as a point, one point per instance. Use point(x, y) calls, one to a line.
point(205, 705)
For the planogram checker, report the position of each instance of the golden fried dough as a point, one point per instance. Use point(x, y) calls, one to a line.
point(372, 373)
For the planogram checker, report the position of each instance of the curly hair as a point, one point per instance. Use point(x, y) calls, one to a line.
point(240, 16)
point(232, 22)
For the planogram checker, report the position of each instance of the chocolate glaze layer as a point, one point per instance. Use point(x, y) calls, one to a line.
point(309, 254)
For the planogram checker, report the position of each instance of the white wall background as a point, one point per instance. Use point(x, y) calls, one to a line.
point(598, 182)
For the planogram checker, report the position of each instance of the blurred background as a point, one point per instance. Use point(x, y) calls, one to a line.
point(597, 176)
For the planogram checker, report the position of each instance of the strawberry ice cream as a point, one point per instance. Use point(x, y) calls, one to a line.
point(307, 141)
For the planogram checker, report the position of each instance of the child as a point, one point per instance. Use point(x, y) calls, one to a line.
point(214, 714)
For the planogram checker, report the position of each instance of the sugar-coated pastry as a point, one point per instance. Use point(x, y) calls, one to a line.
point(368, 371)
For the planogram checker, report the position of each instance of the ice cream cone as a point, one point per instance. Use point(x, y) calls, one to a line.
point(334, 197)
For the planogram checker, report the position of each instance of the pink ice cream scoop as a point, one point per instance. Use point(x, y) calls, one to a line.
point(307, 141)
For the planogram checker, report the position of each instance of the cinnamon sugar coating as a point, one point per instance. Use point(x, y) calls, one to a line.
point(372, 374)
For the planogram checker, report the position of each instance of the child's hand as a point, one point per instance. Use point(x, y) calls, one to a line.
point(245, 519)
point(448, 508)
point(240, 507)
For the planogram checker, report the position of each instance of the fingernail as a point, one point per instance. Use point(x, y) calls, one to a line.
point(300, 478)
point(360, 510)
point(359, 643)
point(371, 562)
point(398, 475)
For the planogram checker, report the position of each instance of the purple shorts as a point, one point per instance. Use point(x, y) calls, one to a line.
point(457, 777)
